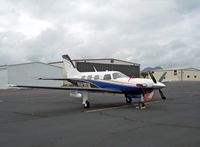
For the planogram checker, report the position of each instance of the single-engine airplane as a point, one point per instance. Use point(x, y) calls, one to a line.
point(105, 82)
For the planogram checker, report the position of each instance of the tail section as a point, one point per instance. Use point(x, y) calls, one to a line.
point(70, 68)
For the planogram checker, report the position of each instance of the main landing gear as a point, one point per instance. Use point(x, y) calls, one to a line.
point(128, 100)
point(86, 103)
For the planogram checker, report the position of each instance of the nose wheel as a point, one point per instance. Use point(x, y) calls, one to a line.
point(141, 105)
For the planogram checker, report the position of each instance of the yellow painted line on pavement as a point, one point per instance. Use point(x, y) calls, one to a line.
point(122, 106)
point(109, 108)
point(152, 102)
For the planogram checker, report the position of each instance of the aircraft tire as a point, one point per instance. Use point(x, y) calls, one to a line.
point(141, 104)
point(128, 100)
point(87, 104)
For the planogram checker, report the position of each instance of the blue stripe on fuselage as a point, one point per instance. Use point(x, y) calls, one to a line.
point(122, 88)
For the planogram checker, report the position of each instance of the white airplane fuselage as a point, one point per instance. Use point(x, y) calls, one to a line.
point(125, 80)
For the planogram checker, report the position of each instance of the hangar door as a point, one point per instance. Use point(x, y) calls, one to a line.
point(3, 77)
point(129, 70)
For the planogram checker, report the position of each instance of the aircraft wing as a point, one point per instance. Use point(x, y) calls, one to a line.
point(73, 88)
point(61, 79)
point(75, 81)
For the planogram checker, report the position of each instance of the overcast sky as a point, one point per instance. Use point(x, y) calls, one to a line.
point(150, 32)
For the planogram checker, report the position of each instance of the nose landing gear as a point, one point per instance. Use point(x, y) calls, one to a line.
point(141, 105)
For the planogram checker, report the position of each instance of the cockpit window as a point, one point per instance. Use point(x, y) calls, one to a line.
point(117, 75)
point(107, 77)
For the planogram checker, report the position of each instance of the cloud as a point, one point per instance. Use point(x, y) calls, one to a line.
point(186, 7)
point(153, 33)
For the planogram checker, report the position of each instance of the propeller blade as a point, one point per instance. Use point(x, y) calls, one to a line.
point(162, 95)
point(162, 77)
point(152, 77)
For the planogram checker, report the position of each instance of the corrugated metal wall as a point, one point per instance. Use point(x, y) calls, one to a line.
point(3, 78)
point(129, 70)
point(28, 74)
point(179, 75)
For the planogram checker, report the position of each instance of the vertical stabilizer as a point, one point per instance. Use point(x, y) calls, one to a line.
point(70, 68)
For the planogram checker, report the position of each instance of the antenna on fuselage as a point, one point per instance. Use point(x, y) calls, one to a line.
point(95, 69)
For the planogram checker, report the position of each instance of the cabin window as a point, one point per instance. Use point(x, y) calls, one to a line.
point(107, 77)
point(188, 76)
point(83, 77)
point(89, 77)
point(96, 77)
point(195, 76)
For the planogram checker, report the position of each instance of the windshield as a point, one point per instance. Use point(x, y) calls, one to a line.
point(118, 75)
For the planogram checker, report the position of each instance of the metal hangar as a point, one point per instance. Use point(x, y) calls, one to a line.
point(110, 64)
point(28, 74)
point(178, 74)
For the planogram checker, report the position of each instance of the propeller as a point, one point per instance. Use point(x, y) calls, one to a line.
point(152, 77)
point(162, 77)
point(162, 95)
point(155, 81)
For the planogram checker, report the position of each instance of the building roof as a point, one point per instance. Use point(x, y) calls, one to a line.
point(167, 69)
point(5, 66)
point(99, 61)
